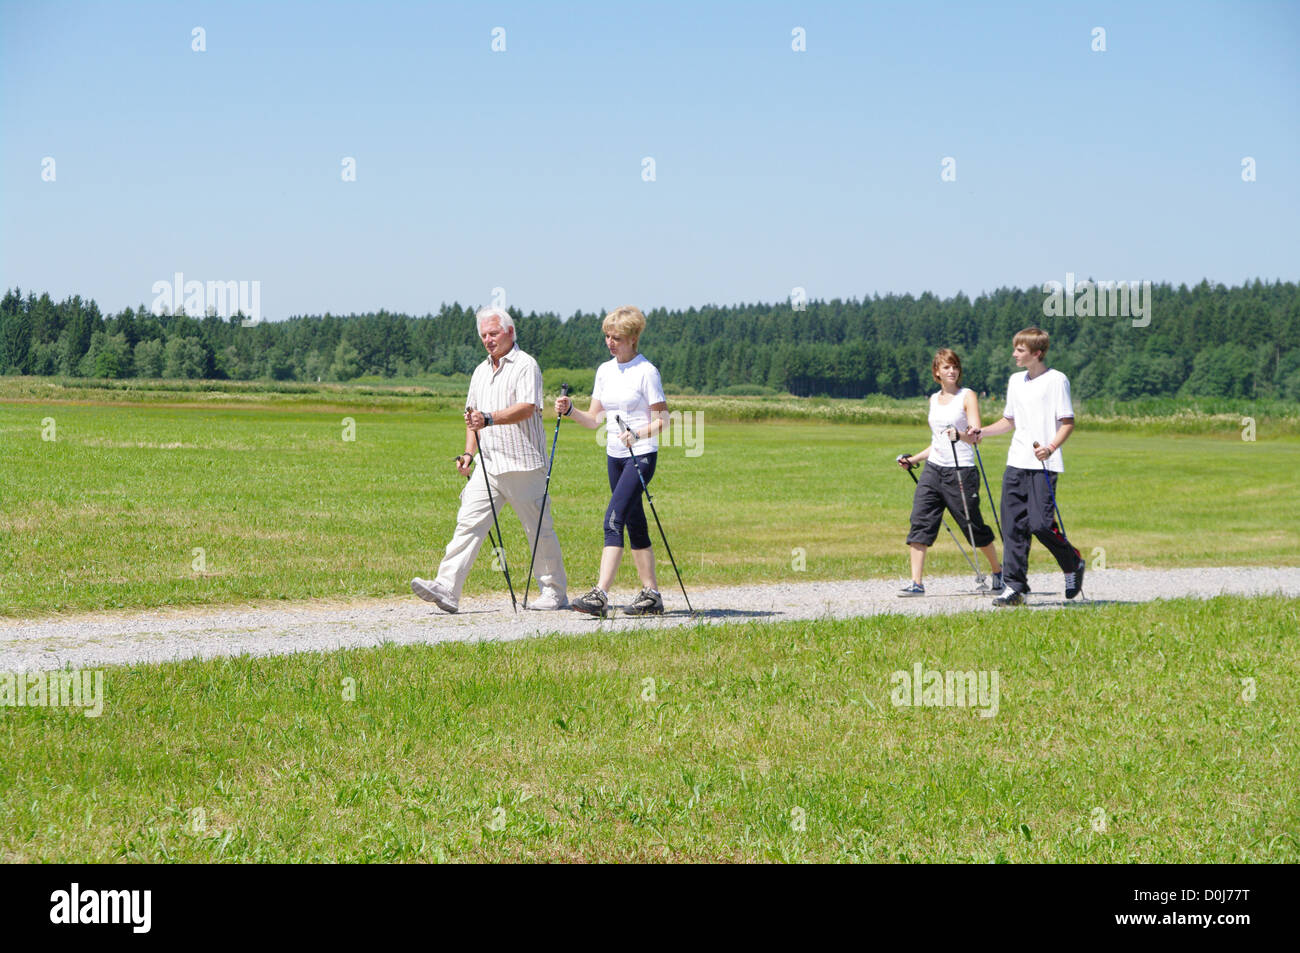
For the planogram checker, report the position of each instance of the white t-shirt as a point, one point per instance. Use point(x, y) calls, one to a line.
point(1036, 406)
point(628, 390)
point(943, 416)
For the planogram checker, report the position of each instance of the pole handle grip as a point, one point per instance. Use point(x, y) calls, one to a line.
point(911, 470)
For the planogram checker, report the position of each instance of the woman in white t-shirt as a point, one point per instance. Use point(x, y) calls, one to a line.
point(628, 386)
point(944, 481)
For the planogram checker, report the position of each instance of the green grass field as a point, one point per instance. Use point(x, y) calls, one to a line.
point(1151, 733)
point(114, 510)
point(1123, 733)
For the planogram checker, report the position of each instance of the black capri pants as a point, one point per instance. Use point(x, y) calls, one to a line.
point(936, 491)
point(625, 506)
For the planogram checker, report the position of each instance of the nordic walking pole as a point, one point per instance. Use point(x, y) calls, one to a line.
point(636, 465)
point(910, 468)
point(482, 462)
point(564, 392)
point(989, 489)
point(1047, 475)
point(491, 538)
point(970, 530)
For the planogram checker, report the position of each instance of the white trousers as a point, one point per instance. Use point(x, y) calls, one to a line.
point(522, 491)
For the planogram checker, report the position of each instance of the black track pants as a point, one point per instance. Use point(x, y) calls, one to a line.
point(1027, 512)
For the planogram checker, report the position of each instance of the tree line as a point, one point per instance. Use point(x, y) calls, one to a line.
point(1208, 340)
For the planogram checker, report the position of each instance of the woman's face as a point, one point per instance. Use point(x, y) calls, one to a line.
point(621, 348)
point(948, 374)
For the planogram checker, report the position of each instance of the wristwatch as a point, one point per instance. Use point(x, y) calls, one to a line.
point(487, 420)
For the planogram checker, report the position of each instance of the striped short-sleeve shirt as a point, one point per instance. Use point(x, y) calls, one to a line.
point(517, 379)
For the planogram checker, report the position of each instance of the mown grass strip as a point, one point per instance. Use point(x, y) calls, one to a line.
point(1146, 733)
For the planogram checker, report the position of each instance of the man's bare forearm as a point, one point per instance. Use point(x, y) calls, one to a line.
point(999, 426)
point(514, 414)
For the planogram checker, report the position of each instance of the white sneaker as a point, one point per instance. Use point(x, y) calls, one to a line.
point(549, 600)
point(430, 591)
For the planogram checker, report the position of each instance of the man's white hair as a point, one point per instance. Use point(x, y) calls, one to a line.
point(501, 314)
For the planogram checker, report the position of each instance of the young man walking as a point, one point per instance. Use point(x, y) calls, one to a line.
point(1041, 418)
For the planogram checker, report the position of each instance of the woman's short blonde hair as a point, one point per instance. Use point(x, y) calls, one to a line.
point(627, 322)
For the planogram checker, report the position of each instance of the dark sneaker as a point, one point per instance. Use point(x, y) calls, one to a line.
point(593, 603)
point(995, 582)
point(911, 589)
point(647, 602)
point(1012, 598)
point(1074, 580)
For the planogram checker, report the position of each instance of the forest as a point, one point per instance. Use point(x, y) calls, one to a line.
point(1205, 341)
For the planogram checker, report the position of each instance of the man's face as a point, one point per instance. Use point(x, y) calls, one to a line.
point(1023, 356)
point(496, 339)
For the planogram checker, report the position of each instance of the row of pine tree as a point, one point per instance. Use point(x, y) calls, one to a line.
point(1208, 340)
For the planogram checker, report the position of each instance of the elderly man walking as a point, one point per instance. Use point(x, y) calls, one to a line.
point(505, 412)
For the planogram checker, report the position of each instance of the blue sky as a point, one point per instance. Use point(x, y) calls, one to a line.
point(522, 169)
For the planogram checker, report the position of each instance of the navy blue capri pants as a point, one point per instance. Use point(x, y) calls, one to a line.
point(625, 507)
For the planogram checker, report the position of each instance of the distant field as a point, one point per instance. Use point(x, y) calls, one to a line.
point(111, 512)
point(1161, 732)
point(1200, 415)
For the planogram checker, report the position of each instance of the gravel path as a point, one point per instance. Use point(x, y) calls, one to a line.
point(122, 638)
